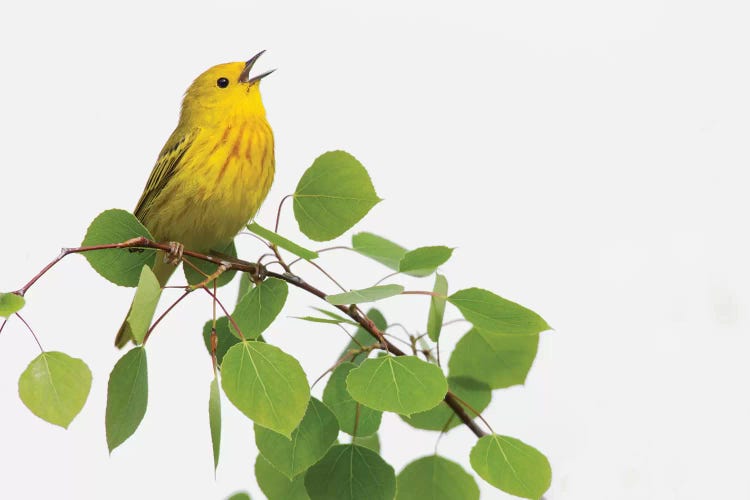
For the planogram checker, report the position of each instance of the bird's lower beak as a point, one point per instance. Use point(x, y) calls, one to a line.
point(245, 75)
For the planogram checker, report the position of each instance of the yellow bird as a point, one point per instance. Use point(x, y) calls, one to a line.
point(214, 171)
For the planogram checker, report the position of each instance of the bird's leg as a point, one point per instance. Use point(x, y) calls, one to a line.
point(174, 255)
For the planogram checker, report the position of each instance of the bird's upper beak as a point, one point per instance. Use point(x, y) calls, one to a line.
point(245, 75)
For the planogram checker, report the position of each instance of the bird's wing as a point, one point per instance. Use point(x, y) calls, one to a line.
point(166, 165)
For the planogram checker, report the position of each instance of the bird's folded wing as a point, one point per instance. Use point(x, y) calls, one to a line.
point(167, 164)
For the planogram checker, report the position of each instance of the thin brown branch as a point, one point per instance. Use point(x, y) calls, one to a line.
point(373, 330)
point(259, 272)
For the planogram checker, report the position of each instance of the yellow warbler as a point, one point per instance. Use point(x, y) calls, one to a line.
point(215, 169)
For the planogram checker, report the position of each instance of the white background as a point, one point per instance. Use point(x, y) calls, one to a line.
point(587, 158)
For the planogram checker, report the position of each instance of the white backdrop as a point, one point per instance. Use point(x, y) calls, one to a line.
point(587, 159)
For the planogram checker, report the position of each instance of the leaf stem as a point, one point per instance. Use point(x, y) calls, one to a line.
point(278, 212)
point(32, 332)
point(423, 292)
point(226, 313)
point(259, 272)
point(475, 412)
point(385, 278)
point(161, 317)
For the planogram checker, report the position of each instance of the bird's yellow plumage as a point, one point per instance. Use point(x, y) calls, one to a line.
point(215, 169)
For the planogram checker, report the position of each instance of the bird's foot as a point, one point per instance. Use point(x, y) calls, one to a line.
point(174, 255)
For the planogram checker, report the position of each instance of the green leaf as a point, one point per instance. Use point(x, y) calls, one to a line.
point(340, 402)
point(372, 442)
point(10, 303)
point(363, 337)
point(121, 266)
point(436, 478)
point(493, 314)
point(401, 384)
point(330, 321)
point(424, 261)
point(259, 307)
point(193, 277)
point(365, 295)
point(498, 360)
point(437, 308)
point(275, 485)
point(309, 443)
point(55, 387)
point(282, 242)
point(512, 466)
point(476, 393)
point(127, 396)
point(245, 285)
point(377, 248)
point(265, 384)
point(224, 338)
point(240, 495)
point(144, 304)
point(351, 472)
point(333, 195)
point(337, 317)
point(214, 419)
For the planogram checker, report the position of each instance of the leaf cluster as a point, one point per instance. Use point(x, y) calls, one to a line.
point(296, 434)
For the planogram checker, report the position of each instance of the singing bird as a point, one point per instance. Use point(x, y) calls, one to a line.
point(214, 171)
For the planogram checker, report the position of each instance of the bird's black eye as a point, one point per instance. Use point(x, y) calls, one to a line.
point(222, 82)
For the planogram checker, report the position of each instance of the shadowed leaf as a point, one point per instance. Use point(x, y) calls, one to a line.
point(475, 393)
point(497, 360)
point(275, 485)
point(310, 441)
point(127, 396)
point(120, 266)
point(193, 277)
point(363, 337)
point(436, 478)
point(351, 472)
point(224, 338)
point(340, 402)
point(259, 307)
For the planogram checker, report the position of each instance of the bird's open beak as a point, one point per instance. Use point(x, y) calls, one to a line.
point(245, 75)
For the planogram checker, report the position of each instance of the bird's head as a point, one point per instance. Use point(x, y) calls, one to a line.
point(225, 91)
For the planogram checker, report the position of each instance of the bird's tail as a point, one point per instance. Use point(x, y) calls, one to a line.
point(162, 270)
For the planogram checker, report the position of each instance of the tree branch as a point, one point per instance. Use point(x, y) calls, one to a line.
point(259, 272)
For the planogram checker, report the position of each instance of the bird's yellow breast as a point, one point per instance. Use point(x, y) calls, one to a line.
point(221, 182)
